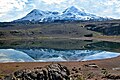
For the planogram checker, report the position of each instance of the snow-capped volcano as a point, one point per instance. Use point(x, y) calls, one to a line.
point(70, 14)
point(34, 15)
point(38, 15)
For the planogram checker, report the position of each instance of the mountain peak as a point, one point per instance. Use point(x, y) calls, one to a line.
point(73, 9)
point(35, 11)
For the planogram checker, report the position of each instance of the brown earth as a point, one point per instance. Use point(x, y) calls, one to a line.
point(91, 70)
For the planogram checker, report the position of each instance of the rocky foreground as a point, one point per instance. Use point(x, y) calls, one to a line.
point(59, 72)
point(49, 72)
point(107, 69)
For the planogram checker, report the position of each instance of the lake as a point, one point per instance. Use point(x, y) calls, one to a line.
point(57, 50)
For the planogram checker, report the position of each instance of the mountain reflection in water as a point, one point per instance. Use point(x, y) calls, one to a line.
point(56, 50)
point(46, 55)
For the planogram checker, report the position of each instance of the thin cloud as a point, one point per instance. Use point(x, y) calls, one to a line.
point(53, 1)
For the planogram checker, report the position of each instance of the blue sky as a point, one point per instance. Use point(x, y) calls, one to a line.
point(15, 9)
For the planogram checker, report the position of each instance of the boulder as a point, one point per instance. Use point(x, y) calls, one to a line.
point(49, 72)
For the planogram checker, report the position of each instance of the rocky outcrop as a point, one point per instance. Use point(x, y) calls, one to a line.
point(50, 72)
point(105, 28)
point(59, 72)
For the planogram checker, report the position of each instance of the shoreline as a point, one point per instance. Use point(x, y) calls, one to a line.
point(97, 38)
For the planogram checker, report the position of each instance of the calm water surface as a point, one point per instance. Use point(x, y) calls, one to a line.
point(45, 51)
